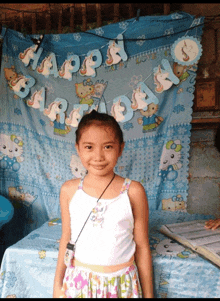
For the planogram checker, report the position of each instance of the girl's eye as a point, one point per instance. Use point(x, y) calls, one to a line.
point(108, 146)
point(88, 147)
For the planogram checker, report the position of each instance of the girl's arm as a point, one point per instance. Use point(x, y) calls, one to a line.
point(65, 193)
point(143, 258)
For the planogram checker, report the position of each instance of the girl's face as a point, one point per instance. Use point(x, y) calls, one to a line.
point(99, 150)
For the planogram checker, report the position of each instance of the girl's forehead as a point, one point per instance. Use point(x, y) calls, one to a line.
point(98, 130)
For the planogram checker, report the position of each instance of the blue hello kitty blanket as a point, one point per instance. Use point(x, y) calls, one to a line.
point(142, 72)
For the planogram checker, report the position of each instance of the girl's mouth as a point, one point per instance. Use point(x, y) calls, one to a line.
point(99, 167)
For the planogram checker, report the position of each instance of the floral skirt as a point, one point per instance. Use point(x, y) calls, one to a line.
point(80, 282)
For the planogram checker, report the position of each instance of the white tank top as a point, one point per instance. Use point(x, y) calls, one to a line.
point(107, 238)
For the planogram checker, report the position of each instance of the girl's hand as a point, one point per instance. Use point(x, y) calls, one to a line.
point(59, 293)
point(212, 224)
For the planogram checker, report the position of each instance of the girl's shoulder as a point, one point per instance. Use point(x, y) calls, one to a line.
point(71, 184)
point(136, 193)
point(136, 187)
point(69, 188)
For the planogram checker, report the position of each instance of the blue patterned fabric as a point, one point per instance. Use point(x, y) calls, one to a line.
point(6, 211)
point(28, 267)
point(144, 85)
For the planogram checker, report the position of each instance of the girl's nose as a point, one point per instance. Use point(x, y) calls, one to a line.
point(99, 154)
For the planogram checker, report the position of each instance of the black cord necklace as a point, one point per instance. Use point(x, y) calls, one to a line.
point(97, 202)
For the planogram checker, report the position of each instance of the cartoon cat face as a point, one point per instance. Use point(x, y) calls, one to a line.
point(169, 247)
point(11, 146)
point(180, 205)
point(152, 109)
point(170, 205)
point(78, 170)
point(170, 155)
point(10, 73)
point(84, 90)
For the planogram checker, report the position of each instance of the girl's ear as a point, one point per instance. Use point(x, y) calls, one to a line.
point(121, 148)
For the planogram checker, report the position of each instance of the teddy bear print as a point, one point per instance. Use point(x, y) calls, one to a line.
point(150, 120)
point(180, 71)
point(11, 75)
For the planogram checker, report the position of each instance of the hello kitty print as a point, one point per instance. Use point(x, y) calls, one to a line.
point(11, 149)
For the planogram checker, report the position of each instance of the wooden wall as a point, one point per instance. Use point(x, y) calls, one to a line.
point(71, 17)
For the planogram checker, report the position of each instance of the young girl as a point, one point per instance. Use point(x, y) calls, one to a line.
point(112, 254)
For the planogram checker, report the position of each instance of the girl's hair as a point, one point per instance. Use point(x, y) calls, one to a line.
point(100, 119)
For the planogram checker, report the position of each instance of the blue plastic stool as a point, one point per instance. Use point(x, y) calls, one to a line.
point(6, 211)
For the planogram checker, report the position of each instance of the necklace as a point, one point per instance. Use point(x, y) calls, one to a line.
point(70, 248)
point(106, 188)
point(97, 202)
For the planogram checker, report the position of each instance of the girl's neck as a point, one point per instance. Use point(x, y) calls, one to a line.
point(99, 179)
point(94, 186)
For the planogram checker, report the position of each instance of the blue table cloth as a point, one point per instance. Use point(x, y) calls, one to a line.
point(28, 267)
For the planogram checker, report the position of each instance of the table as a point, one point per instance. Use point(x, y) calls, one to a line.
point(28, 267)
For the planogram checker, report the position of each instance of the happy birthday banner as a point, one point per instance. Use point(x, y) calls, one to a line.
point(141, 71)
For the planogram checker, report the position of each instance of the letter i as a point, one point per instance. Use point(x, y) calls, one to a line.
point(54, 69)
point(42, 103)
